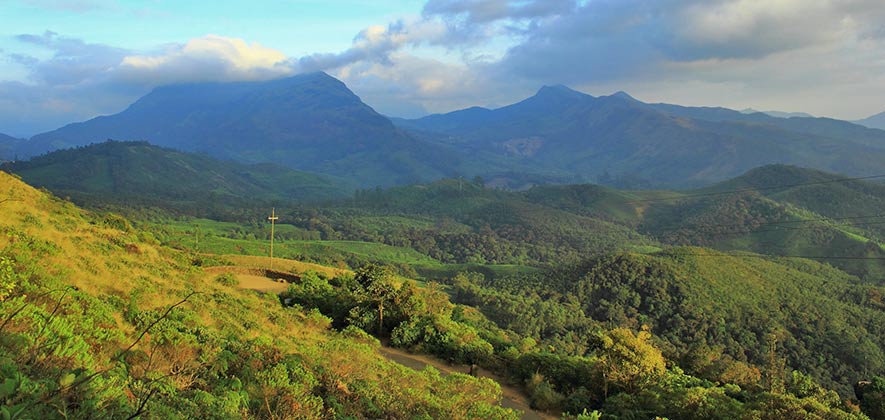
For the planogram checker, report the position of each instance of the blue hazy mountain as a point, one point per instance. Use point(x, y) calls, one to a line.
point(875, 121)
point(310, 122)
point(622, 141)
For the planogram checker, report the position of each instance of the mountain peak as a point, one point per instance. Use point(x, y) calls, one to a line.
point(558, 90)
point(624, 95)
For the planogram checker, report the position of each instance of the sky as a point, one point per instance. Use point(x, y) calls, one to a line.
point(64, 61)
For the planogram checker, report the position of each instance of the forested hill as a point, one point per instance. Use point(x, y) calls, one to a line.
point(775, 209)
point(725, 317)
point(139, 173)
point(827, 194)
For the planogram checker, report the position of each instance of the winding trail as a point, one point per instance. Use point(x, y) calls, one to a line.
point(512, 397)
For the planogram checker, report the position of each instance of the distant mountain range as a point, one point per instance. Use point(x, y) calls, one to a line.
point(137, 172)
point(876, 121)
point(313, 123)
point(621, 141)
point(778, 114)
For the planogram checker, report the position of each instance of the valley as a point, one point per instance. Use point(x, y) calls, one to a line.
point(592, 301)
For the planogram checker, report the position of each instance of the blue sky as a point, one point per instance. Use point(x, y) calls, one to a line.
point(68, 60)
point(295, 27)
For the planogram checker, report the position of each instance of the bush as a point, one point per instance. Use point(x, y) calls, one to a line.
point(8, 280)
point(227, 279)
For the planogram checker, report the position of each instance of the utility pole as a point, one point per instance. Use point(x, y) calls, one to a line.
point(273, 219)
point(196, 238)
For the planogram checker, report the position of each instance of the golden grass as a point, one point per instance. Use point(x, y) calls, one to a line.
point(282, 264)
point(103, 261)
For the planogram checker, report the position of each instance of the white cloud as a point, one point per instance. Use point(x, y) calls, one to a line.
point(210, 58)
point(81, 80)
point(772, 54)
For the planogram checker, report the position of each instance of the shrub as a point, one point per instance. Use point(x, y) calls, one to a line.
point(8, 280)
point(227, 279)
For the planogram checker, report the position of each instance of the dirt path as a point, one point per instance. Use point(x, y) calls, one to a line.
point(261, 283)
point(511, 396)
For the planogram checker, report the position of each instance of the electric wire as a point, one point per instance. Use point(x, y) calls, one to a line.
point(751, 189)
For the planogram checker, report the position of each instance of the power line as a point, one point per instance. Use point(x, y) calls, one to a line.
point(715, 193)
point(810, 257)
point(806, 228)
point(785, 222)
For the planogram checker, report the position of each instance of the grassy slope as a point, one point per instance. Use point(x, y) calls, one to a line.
point(218, 354)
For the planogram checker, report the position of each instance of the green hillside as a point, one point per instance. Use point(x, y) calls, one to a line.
point(100, 322)
point(138, 173)
point(781, 210)
point(834, 196)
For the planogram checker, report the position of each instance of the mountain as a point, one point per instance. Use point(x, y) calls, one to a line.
point(310, 122)
point(314, 123)
point(837, 131)
point(625, 142)
point(778, 114)
point(875, 121)
point(137, 172)
point(8, 146)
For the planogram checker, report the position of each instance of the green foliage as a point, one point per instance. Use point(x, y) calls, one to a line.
point(227, 279)
point(628, 361)
point(709, 315)
point(8, 277)
point(543, 396)
point(116, 221)
point(872, 397)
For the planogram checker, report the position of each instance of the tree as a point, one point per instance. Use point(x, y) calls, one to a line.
point(629, 361)
point(377, 289)
point(872, 397)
